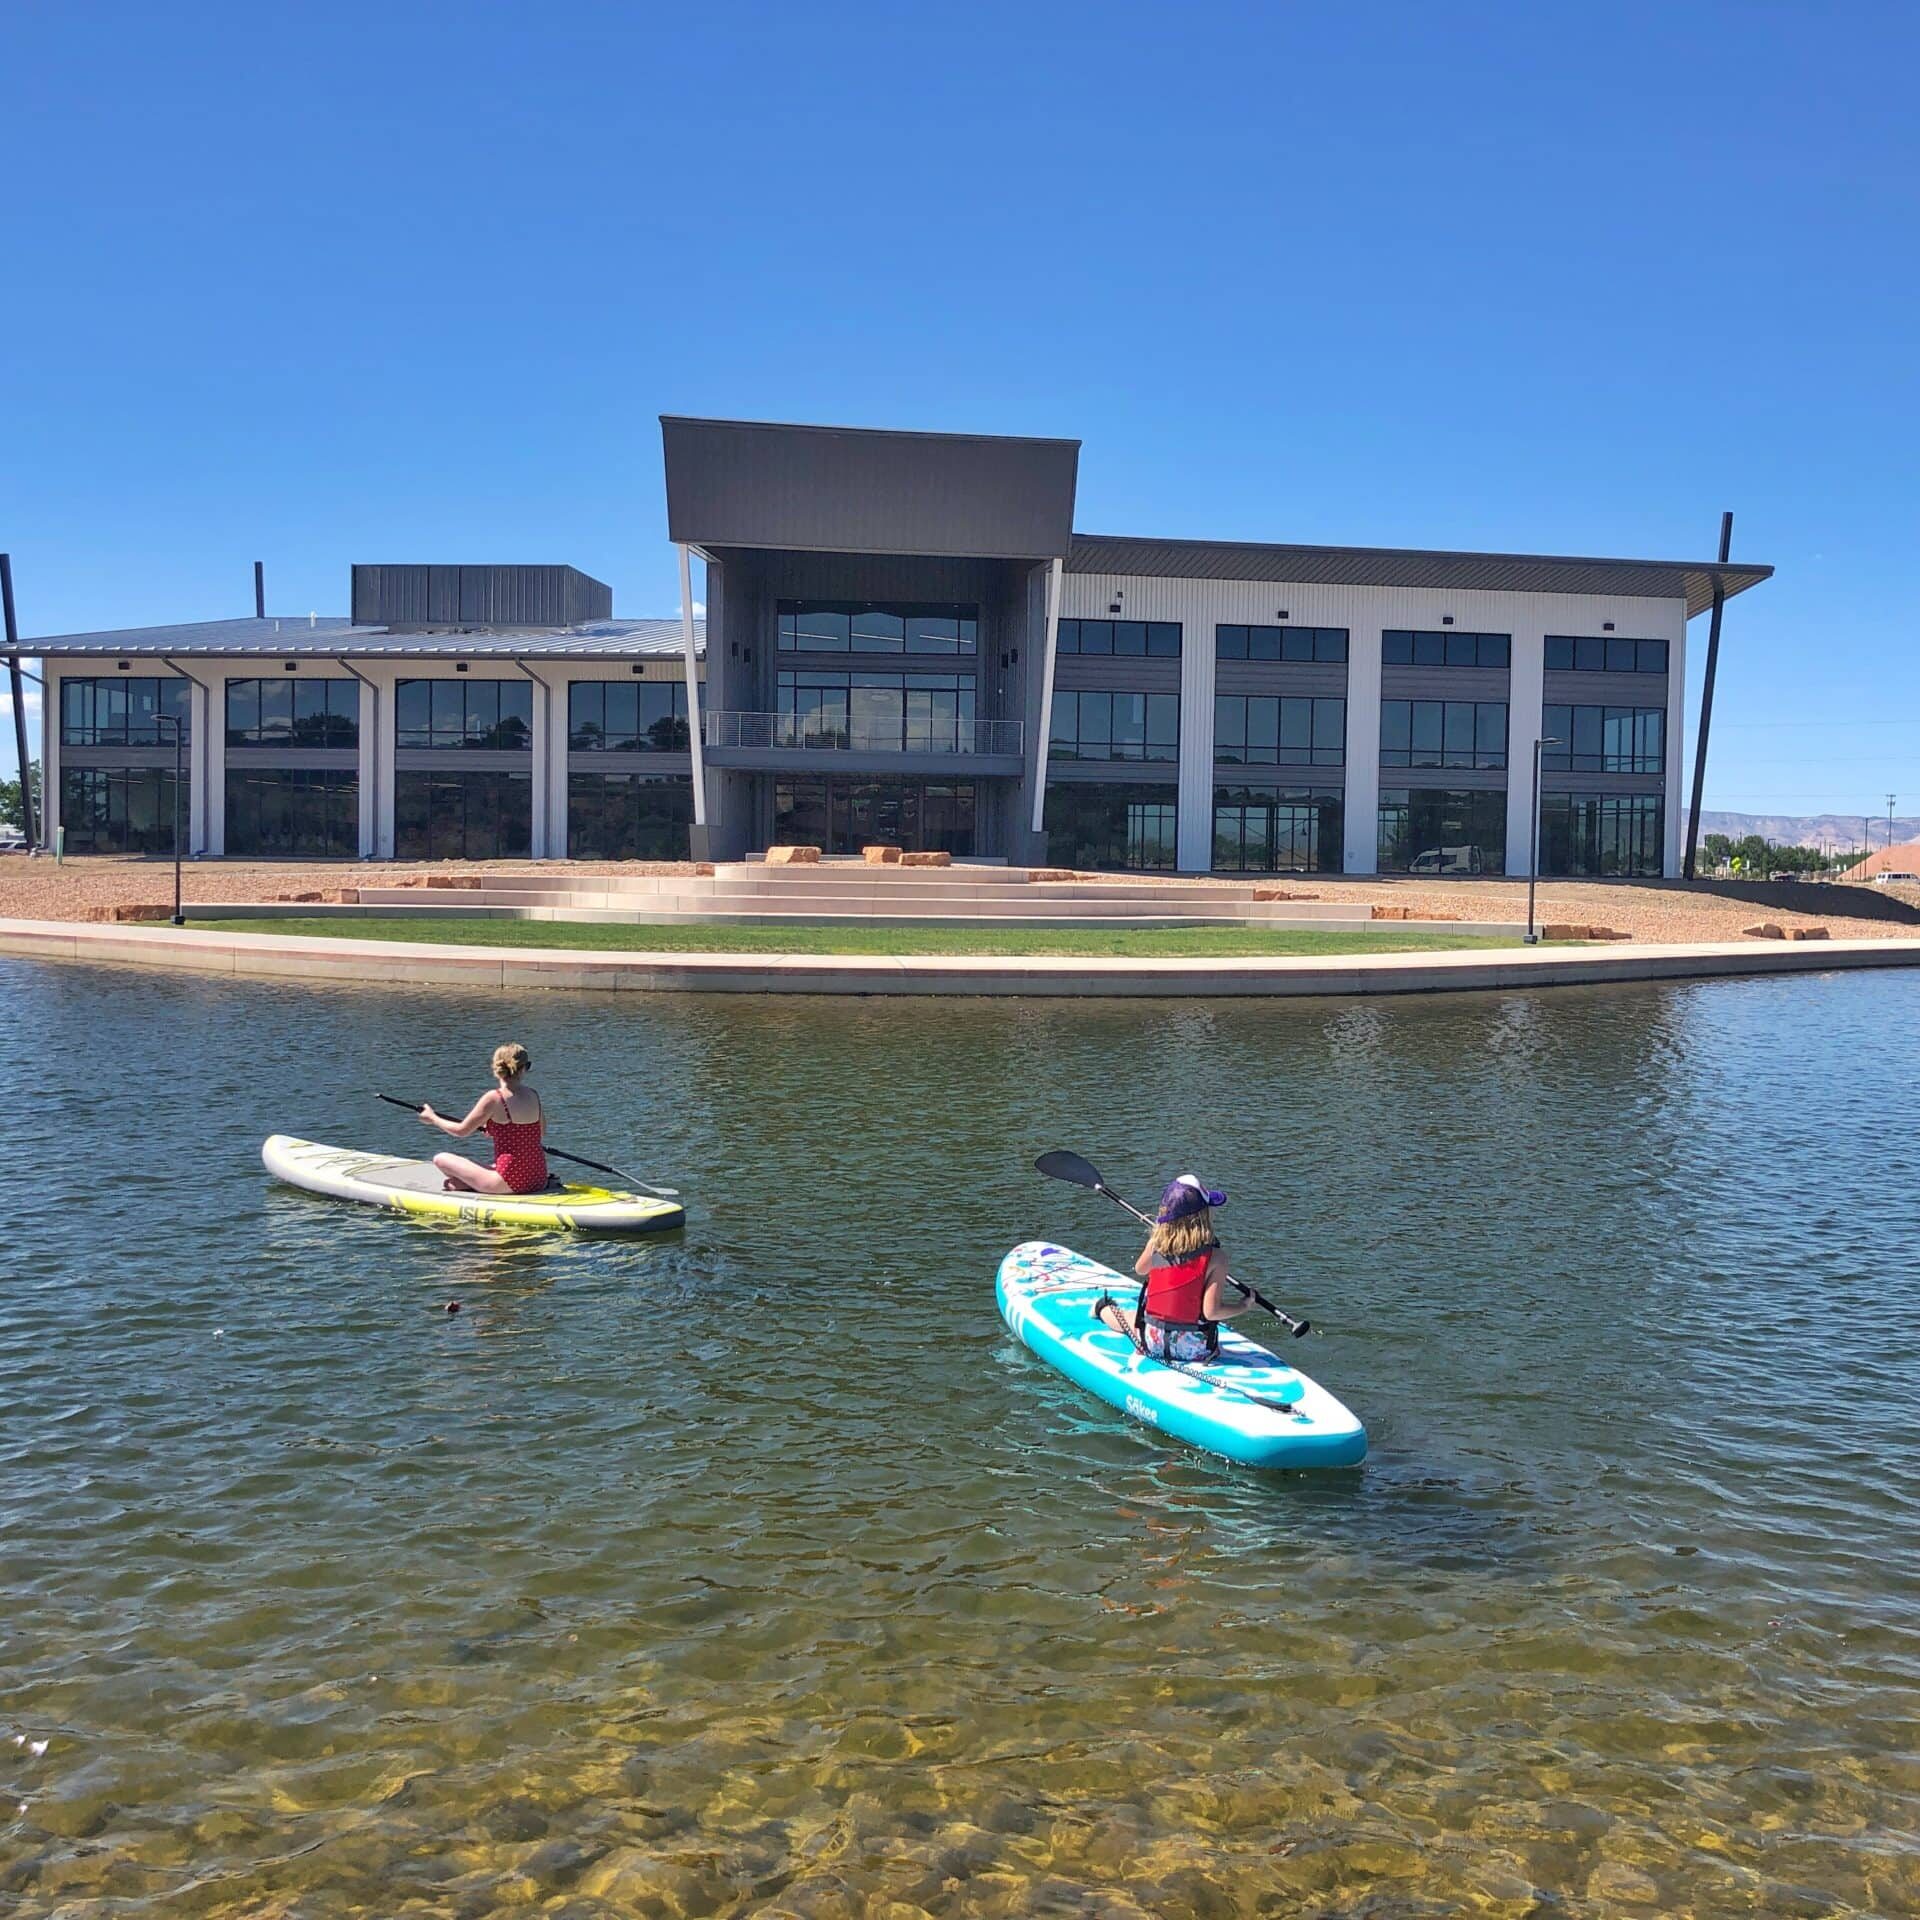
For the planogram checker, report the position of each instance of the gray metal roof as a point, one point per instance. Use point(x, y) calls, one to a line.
point(296, 637)
point(749, 483)
point(1410, 567)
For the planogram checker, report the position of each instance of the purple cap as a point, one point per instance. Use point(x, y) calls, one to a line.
point(1186, 1195)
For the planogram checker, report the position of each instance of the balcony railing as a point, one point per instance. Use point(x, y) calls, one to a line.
point(830, 734)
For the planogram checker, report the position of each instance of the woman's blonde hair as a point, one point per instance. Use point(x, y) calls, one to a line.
point(1181, 1239)
point(511, 1061)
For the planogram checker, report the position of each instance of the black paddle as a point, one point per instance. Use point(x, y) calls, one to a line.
point(1070, 1167)
point(579, 1160)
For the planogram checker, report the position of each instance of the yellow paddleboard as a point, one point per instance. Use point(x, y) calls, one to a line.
point(416, 1187)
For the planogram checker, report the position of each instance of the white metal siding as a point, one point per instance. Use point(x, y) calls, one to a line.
point(1367, 612)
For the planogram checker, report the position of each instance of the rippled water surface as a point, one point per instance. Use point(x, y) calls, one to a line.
point(758, 1571)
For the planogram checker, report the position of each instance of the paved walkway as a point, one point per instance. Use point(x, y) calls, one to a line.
point(393, 963)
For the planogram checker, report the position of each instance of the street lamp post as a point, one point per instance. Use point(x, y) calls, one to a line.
point(1533, 861)
point(173, 721)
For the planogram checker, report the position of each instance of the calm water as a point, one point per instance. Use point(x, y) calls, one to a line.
point(759, 1572)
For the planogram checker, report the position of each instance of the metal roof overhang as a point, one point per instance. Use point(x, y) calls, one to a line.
point(295, 639)
point(1691, 580)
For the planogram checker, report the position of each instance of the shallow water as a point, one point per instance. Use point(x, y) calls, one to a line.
point(759, 1572)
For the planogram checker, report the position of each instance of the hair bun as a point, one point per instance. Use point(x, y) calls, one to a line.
point(511, 1060)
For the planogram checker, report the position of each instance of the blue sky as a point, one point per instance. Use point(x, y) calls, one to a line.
point(413, 281)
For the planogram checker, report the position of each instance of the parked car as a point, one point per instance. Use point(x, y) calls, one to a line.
point(12, 840)
point(1448, 860)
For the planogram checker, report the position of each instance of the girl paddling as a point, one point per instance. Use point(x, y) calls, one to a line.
point(511, 1114)
point(1187, 1289)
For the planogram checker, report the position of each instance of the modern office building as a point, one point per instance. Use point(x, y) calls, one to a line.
point(906, 641)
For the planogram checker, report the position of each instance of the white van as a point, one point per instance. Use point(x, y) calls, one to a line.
point(1445, 860)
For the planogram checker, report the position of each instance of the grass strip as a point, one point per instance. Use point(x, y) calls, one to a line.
point(1156, 943)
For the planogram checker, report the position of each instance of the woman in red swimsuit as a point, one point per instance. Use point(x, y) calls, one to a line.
point(511, 1114)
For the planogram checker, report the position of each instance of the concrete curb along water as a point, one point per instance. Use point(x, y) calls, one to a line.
point(393, 963)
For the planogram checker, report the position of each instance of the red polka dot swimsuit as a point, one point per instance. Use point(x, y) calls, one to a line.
point(518, 1157)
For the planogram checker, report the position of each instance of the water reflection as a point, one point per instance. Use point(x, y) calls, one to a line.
point(754, 1570)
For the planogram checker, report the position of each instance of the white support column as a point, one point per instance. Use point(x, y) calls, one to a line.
point(49, 820)
point(1194, 852)
point(1044, 726)
point(1362, 805)
point(1526, 690)
point(696, 745)
point(1673, 850)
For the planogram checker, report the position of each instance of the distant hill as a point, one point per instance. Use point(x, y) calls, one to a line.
point(1808, 830)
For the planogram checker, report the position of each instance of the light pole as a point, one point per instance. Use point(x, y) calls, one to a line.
point(1533, 862)
point(173, 721)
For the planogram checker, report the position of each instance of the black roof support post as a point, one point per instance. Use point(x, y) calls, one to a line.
point(19, 698)
point(1706, 696)
point(259, 589)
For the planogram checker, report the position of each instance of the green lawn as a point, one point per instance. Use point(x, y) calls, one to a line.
point(1172, 943)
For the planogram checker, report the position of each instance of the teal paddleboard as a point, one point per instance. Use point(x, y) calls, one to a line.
point(1243, 1405)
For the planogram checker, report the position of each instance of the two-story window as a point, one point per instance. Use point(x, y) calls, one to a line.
point(1280, 730)
point(442, 811)
point(1114, 726)
point(114, 801)
point(1443, 733)
point(311, 810)
point(122, 711)
point(1604, 739)
point(865, 626)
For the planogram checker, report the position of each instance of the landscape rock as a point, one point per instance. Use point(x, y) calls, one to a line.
point(880, 856)
point(926, 859)
point(793, 856)
point(1281, 893)
point(1766, 930)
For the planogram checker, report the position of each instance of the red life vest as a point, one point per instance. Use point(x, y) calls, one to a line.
point(1176, 1292)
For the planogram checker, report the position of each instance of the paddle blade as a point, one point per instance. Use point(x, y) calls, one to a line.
point(1069, 1166)
point(1301, 1328)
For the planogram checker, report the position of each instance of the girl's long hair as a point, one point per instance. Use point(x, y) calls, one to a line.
point(1184, 1238)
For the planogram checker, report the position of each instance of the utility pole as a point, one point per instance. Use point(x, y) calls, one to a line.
point(1889, 819)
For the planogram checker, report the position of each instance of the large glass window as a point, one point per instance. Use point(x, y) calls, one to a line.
point(1585, 835)
point(627, 716)
point(1268, 830)
point(1132, 639)
point(1115, 726)
point(285, 712)
point(1324, 644)
point(1254, 729)
point(462, 816)
point(1447, 648)
point(864, 626)
point(121, 809)
point(287, 810)
point(438, 714)
point(876, 712)
point(628, 816)
point(844, 815)
point(1428, 830)
point(122, 711)
point(1604, 739)
point(1443, 733)
point(1604, 653)
point(1111, 826)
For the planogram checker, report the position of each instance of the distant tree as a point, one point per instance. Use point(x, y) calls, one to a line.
point(10, 813)
point(1718, 848)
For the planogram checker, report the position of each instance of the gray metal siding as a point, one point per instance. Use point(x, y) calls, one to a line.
point(1113, 773)
point(347, 758)
point(1601, 783)
point(1279, 676)
point(477, 596)
point(1445, 683)
point(1099, 672)
point(739, 483)
point(1605, 690)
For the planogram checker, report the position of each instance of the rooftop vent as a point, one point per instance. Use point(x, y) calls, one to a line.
point(425, 596)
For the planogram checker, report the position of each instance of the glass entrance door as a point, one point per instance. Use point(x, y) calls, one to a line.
point(843, 815)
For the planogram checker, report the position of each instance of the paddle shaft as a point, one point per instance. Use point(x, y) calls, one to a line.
point(557, 1153)
point(1254, 1294)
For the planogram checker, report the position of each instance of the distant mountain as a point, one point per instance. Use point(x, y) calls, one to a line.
point(1840, 830)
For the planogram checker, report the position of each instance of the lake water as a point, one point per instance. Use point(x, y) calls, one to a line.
point(760, 1572)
